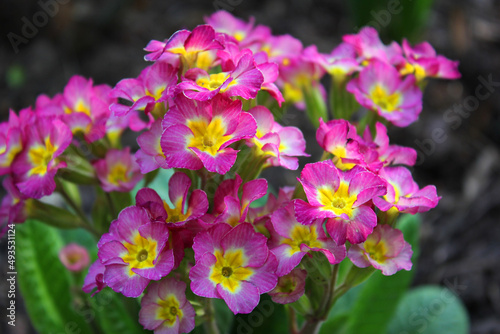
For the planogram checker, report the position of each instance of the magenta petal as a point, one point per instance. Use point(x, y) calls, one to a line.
point(112, 253)
point(174, 145)
point(306, 213)
point(117, 277)
point(209, 241)
point(264, 278)
point(221, 163)
point(286, 260)
point(146, 195)
point(148, 316)
point(198, 204)
point(157, 232)
point(162, 266)
point(243, 236)
point(178, 187)
point(244, 300)
point(357, 256)
point(129, 220)
point(199, 275)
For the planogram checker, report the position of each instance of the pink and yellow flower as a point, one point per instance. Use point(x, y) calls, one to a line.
point(83, 107)
point(150, 156)
point(293, 240)
point(197, 133)
point(94, 278)
point(35, 168)
point(180, 210)
point(403, 194)
point(339, 137)
point(422, 61)
point(165, 308)
point(74, 257)
point(118, 171)
point(233, 264)
point(380, 88)
point(185, 44)
point(280, 144)
point(229, 208)
point(290, 287)
point(244, 80)
point(134, 252)
point(385, 249)
point(341, 196)
point(11, 142)
point(12, 209)
point(156, 84)
point(388, 154)
point(340, 63)
point(369, 47)
point(244, 33)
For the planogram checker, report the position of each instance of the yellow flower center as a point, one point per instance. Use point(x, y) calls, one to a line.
point(10, 154)
point(287, 285)
point(303, 235)
point(205, 60)
point(377, 251)
point(339, 201)
point(169, 310)
point(386, 101)
point(292, 94)
point(215, 81)
point(141, 253)
point(208, 137)
point(340, 152)
point(239, 36)
point(80, 106)
point(228, 269)
point(175, 214)
point(118, 174)
point(41, 156)
point(157, 92)
point(415, 69)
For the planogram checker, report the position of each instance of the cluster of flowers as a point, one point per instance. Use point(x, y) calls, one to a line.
point(204, 106)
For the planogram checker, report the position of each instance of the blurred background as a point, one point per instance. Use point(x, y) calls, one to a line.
point(43, 43)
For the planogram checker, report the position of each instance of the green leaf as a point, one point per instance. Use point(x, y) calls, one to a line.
point(45, 284)
point(430, 310)
point(267, 317)
point(223, 316)
point(108, 307)
point(383, 291)
point(355, 312)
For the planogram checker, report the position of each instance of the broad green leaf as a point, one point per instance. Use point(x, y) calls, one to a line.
point(223, 316)
point(355, 312)
point(378, 299)
point(108, 309)
point(430, 310)
point(267, 317)
point(45, 284)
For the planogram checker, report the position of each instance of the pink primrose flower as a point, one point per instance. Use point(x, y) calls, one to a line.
point(385, 249)
point(233, 264)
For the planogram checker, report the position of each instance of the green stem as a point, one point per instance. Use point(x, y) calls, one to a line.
point(292, 320)
point(210, 325)
point(112, 206)
point(78, 210)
